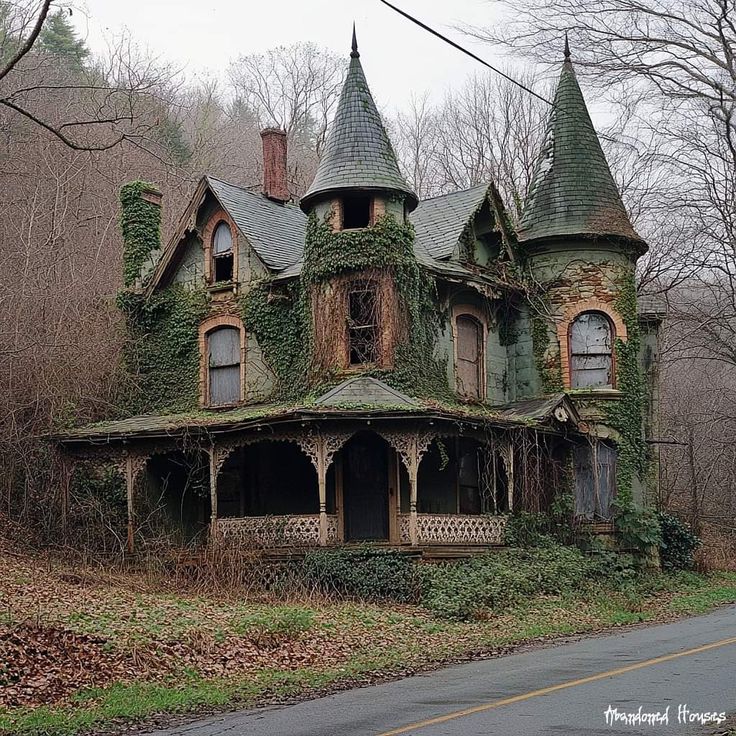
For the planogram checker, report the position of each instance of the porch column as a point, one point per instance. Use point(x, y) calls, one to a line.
point(63, 465)
point(413, 474)
point(212, 452)
point(129, 488)
point(322, 486)
point(507, 455)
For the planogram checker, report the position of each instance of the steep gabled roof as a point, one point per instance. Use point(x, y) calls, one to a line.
point(275, 230)
point(572, 190)
point(439, 222)
point(358, 153)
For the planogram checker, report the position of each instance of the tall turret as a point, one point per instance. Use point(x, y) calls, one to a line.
point(581, 250)
point(358, 245)
point(358, 163)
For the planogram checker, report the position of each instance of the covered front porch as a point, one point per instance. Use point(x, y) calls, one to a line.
point(326, 477)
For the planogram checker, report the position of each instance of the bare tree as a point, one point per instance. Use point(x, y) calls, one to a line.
point(87, 107)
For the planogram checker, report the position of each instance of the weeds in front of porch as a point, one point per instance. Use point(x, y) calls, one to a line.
point(381, 640)
point(367, 574)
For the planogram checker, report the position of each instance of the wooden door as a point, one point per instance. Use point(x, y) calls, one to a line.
point(469, 357)
point(365, 488)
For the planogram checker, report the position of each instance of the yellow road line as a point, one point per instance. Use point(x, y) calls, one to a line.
point(555, 688)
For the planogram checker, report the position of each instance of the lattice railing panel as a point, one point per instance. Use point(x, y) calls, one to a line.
point(460, 529)
point(276, 531)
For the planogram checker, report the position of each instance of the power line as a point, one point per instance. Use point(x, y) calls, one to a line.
point(464, 50)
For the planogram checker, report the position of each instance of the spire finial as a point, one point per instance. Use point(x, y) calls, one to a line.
point(567, 48)
point(354, 53)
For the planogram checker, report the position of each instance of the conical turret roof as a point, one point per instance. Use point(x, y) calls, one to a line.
point(358, 154)
point(572, 190)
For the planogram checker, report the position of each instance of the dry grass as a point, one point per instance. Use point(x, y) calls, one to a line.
point(82, 645)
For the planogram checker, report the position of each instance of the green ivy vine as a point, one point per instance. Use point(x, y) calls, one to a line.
point(161, 357)
point(626, 414)
point(280, 316)
point(548, 365)
point(140, 222)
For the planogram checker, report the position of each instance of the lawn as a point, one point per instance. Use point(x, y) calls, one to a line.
point(84, 649)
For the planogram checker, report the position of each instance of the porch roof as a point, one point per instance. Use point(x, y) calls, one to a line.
point(554, 413)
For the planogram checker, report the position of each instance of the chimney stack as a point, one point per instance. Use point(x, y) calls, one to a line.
point(274, 164)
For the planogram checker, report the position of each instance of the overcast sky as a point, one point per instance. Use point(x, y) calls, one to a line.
point(205, 35)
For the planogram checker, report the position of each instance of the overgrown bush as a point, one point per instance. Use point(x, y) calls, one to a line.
point(364, 573)
point(483, 585)
point(638, 529)
point(525, 529)
point(678, 543)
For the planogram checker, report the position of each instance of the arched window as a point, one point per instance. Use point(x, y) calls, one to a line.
point(469, 352)
point(222, 253)
point(223, 366)
point(591, 351)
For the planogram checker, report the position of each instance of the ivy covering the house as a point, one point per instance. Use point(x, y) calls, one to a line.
point(161, 356)
point(281, 317)
point(140, 223)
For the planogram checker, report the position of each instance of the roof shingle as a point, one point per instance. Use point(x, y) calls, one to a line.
point(358, 153)
point(275, 230)
point(572, 190)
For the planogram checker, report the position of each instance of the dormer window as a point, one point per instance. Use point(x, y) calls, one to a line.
point(362, 324)
point(356, 211)
point(222, 253)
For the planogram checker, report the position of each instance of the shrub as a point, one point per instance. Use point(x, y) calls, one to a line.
point(638, 529)
point(492, 582)
point(525, 529)
point(276, 624)
point(678, 544)
point(364, 573)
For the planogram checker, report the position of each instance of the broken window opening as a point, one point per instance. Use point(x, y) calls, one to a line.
point(591, 351)
point(222, 253)
point(356, 211)
point(223, 349)
point(363, 324)
point(595, 481)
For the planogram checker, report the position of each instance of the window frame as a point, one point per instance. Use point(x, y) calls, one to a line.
point(593, 304)
point(477, 315)
point(571, 355)
point(371, 210)
point(209, 326)
point(355, 286)
point(208, 242)
point(593, 451)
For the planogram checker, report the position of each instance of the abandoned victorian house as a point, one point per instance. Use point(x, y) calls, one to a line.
point(361, 366)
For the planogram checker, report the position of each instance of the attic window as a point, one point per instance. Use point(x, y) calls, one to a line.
point(356, 211)
point(222, 253)
point(362, 324)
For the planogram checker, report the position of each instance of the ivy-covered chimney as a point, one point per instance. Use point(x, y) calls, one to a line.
point(140, 223)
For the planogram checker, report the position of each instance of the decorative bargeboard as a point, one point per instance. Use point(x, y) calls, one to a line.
point(276, 531)
point(455, 528)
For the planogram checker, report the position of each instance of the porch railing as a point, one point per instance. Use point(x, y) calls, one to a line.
point(455, 528)
point(276, 531)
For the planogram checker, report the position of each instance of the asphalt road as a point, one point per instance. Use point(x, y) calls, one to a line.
point(563, 690)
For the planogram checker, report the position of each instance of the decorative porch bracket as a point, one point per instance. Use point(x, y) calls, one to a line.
point(321, 450)
point(411, 447)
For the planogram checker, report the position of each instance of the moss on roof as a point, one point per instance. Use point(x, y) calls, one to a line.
point(358, 153)
point(572, 190)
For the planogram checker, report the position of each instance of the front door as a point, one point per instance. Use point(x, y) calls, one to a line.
point(365, 488)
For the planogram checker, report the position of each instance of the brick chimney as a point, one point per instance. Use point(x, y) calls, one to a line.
point(274, 164)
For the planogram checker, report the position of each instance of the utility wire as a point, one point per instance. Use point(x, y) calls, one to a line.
point(464, 50)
